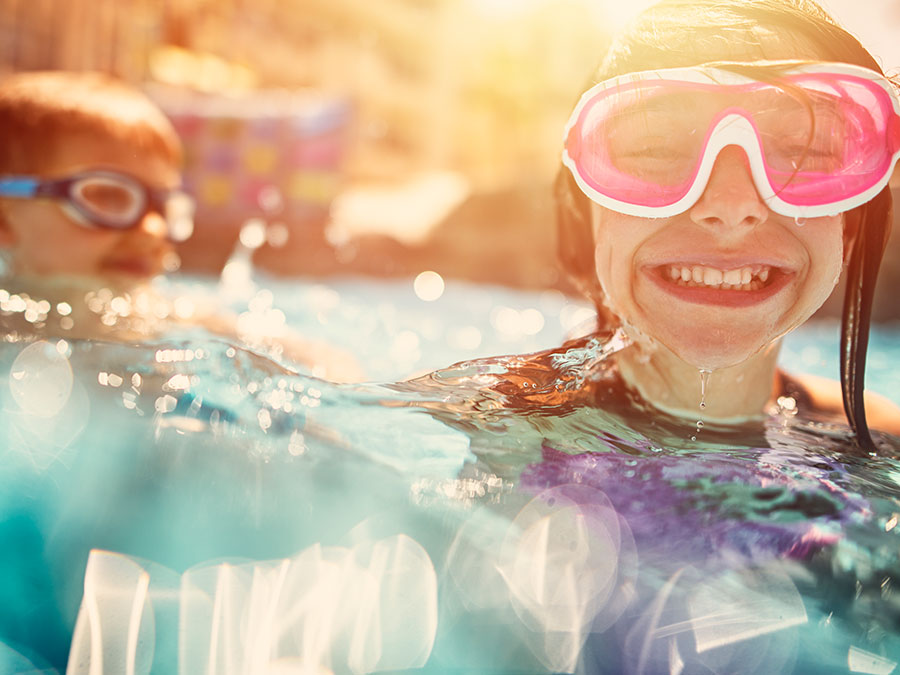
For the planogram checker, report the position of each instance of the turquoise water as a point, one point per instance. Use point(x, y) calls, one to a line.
point(813, 348)
point(191, 507)
point(399, 334)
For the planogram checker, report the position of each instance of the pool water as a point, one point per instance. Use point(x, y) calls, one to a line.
point(189, 506)
point(401, 334)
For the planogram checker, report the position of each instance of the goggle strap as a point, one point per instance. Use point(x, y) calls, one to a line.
point(19, 187)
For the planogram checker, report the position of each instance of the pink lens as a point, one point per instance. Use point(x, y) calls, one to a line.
point(859, 118)
point(620, 149)
point(822, 137)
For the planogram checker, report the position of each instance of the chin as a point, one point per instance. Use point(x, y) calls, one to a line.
point(712, 361)
point(712, 351)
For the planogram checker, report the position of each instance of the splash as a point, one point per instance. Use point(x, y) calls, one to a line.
point(578, 362)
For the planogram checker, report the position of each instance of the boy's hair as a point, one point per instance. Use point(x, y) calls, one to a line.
point(691, 32)
point(40, 109)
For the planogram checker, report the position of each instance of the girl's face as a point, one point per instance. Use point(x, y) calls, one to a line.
point(721, 281)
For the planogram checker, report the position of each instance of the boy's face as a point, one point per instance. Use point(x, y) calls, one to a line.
point(45, 240)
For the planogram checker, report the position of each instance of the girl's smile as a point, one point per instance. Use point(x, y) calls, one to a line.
point(729, 284)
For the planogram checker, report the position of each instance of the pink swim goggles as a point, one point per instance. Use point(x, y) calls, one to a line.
point(819, 138)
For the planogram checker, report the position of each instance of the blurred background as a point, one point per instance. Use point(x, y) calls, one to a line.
point(369, 138)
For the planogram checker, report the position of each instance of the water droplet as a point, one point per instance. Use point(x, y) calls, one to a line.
point(704, 381)
point(799, 221)
point(165, 403)
point(697, 431)
point(41, 379)
point(428, 286)
point(253, 233)
point(787, 406)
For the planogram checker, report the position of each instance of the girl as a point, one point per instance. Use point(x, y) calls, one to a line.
point(730, 160)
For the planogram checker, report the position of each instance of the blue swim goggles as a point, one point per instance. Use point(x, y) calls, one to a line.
point(108, 199)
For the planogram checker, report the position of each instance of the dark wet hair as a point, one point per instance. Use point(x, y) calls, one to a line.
point(677, 33)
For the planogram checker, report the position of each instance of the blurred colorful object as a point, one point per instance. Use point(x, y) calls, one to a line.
point(272, 153)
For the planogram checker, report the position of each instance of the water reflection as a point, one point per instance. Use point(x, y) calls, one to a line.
point(741, 621)
point(570, 565)
point(210, 510)
point(861, 661)
point(41, 378)
point(362, 609)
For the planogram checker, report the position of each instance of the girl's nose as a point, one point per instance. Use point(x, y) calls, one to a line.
point(730, 198)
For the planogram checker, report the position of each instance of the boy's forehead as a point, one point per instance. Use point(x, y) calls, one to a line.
point(71, 153)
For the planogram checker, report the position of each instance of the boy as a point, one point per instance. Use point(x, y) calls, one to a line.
point(89, 211)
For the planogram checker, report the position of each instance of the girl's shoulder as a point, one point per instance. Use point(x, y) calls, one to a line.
point(822, 396)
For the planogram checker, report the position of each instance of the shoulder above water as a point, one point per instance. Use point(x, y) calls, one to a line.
point(824, 396)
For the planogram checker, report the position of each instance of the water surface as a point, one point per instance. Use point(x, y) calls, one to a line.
point(190, 506)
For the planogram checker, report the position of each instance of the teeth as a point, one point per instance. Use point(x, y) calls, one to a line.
point(744, 278)
point(712, 276)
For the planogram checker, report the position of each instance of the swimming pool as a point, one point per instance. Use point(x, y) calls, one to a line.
point(400, 333)
point(192, 507)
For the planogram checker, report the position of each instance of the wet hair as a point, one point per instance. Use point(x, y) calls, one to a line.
point(39, 110)
point(678, 33)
